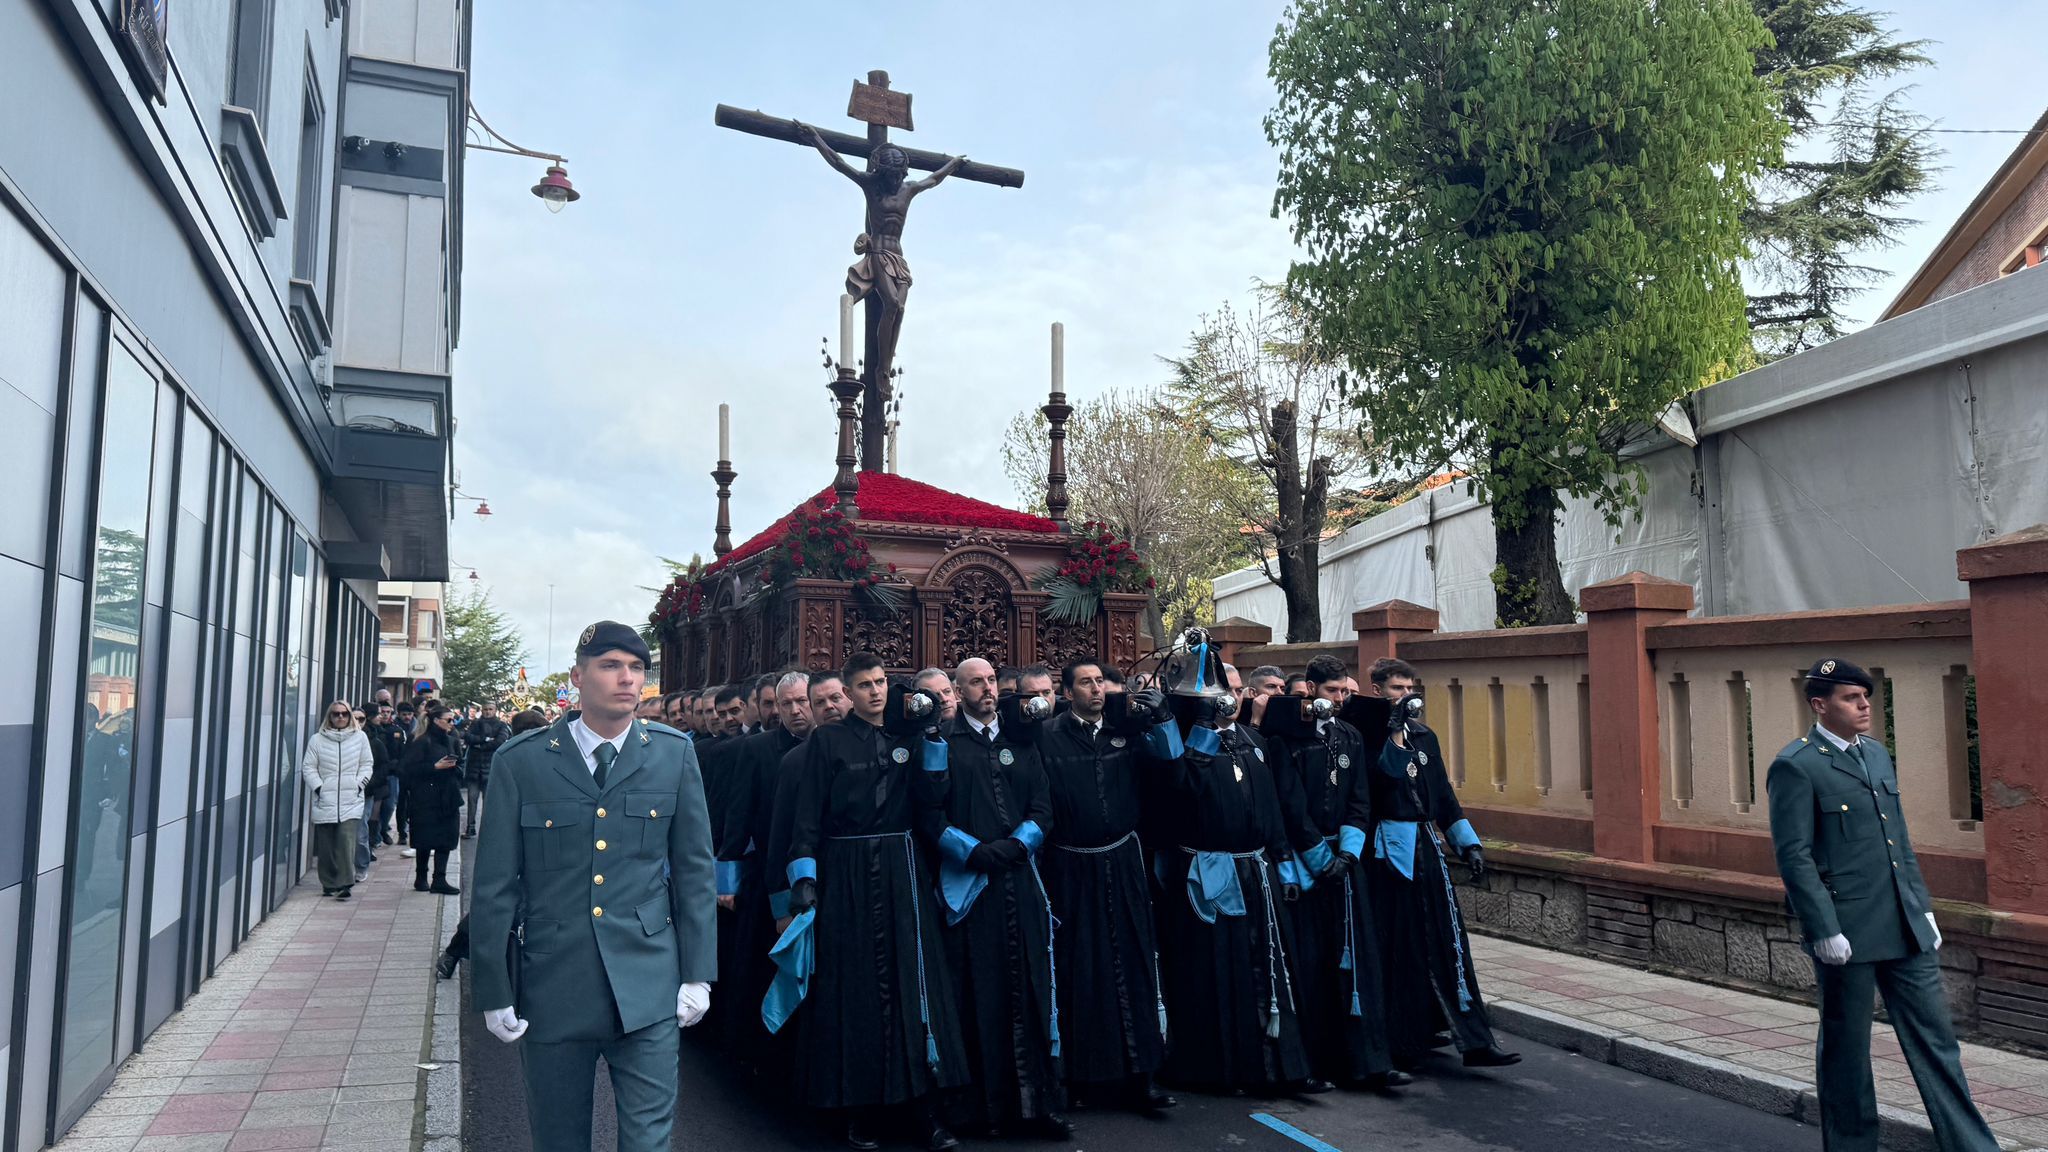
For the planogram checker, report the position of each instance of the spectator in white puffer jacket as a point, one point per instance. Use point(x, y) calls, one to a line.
point(336, 770)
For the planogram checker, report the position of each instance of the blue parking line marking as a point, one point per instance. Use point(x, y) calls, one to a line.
point(1293, 1133)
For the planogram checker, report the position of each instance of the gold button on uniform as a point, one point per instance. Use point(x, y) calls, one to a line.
point(599, 879)
point(597, 911)
point(548, 824)
point(1845, 807)
point(600, 845)
point(651, 813)
point(600, 813)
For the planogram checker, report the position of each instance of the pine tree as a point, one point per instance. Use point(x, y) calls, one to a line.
point(1523, 226)
point(481, 654)
point(1853, 157)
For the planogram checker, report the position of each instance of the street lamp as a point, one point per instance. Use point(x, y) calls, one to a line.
point(483, 506)
point(553, 188)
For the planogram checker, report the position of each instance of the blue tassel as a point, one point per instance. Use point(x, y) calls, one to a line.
point(1354, 1003)
point(931, 1051)
point(1344, 965)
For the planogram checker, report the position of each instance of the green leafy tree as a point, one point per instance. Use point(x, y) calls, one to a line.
point(1854, 155)
point(480, 653)
point(1140, 465)
point(1523, 222)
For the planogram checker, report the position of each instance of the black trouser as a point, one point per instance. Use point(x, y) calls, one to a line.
point(458, 944)
point(419, 866)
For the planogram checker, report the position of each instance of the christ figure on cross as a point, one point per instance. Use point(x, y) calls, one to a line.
point(881, 276)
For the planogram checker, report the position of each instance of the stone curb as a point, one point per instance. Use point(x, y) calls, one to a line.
point(1901, 1130)
point(441, 1128)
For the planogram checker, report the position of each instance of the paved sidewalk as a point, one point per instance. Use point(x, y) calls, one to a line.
point(1734, 1044)
point(314, 1034)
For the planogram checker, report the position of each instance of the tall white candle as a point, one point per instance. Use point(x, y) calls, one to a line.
point(725, 431)
point(1059, 357)
point(845, 331)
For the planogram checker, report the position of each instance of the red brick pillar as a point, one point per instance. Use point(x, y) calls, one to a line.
point(1627, 764)
point(2008, 578)
point(1232, 635)
point(1382, 627)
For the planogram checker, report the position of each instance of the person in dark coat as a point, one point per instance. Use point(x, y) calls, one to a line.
point(1112, 1011)
point(1429, 974)
point(1229, 995)
point(880, 1029)
point(988, 814)
point(484, 736)
point(1321, 774)
point(433, 786)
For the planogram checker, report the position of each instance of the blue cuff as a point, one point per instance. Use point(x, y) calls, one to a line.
point(802, 868)
point(1291, 873)
point(1351, 840)
point(1462, 835)
point(1204, 740)
point(1163, 741)
point(955, 845)
point(727, 873)
point(1317, 858)
point(935, 755)
point(1030, 833)
point(778, 904)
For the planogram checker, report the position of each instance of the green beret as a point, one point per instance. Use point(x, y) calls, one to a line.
point(607, 635)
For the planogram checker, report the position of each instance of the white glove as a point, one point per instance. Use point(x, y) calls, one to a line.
point(1833, 950)
point(502, 1023)
point(692, 1001)
point(1936, 927)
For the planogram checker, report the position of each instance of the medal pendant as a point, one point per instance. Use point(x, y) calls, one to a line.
point(1412, 773)
point(1422, 757)
point(900, 755)
point(1237, 771)
point(1333, 777)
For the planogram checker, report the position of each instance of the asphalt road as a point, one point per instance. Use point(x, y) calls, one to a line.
point(1551, 1102)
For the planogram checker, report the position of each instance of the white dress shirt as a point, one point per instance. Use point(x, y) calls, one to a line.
point(587, 741)
point(992, 729)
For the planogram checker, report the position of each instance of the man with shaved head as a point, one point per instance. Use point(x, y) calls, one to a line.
point(988, 816)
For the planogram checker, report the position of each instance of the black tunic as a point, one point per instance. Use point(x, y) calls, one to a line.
point(1000, 952)
point(1229, 999)
point(750, 796)
point(1094, 868)
point(879, 1023)
point(1322, 779)
point(1429, 975)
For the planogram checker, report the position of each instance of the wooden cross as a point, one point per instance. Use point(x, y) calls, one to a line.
point(875, 104)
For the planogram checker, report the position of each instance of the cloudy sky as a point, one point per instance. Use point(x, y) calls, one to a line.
point(703, 265)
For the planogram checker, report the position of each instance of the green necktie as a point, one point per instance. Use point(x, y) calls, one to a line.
point(605, 754)
point(1855, 752)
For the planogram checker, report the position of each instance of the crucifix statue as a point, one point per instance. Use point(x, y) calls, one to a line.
point(880, 276)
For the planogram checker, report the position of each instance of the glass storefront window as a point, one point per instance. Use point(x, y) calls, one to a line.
point(98, 867)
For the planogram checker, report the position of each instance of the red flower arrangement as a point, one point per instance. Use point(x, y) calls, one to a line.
point(682, 599)
point(820, 544)
point(1098, 561)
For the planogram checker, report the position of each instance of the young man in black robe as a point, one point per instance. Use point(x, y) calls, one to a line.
point(743, 886)
point(879, 1027)
point(988, 817)
point(1112, 1009)
point(1321, 774)
point(718, 759)
point(1229, 996)
point(1427, 959)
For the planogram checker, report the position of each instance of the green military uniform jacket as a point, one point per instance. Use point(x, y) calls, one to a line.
point(1843, 851)
point(609, 894)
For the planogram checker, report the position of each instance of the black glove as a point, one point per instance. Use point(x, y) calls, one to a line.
point(803, 896)
point(1340, 862)
point(1475, 861)
point(985, 858)
point(1290, 892)
point(1152, 702)
point(1008, 852)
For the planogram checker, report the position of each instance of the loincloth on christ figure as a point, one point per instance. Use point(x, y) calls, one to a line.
point(875, 263)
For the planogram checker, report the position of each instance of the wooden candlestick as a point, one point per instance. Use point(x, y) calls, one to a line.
point(846, 484)
point(722, 542)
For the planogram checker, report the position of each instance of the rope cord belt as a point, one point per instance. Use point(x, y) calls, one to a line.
point(1158, 989)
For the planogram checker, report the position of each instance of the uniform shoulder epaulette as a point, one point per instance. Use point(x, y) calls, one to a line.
point(522, 738)
point(1786, 752)
point(656, 726)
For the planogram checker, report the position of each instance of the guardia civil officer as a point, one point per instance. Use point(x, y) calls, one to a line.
point(1855, 885)
point(597, 852)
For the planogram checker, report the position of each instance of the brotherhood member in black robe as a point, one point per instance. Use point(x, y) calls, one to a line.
point(743, 886)
point(989, 816)
point(1423, 948)
point(1229, 996)
point(719, 761)
point(1112, 1009)
point(1320, 772)
point(879, 1024)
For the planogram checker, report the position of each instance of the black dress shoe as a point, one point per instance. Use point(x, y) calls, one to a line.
point(1440, 1041)
point(1051, 1126)
point(445, 966)
point(1314, 1087)
point(444, 888)
point(342, 894)
point(937, 1139)
point(419, 885)
point(1493, 1057)
point(1157, 1101)
point(857, 1137)
point(1381, 1081)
